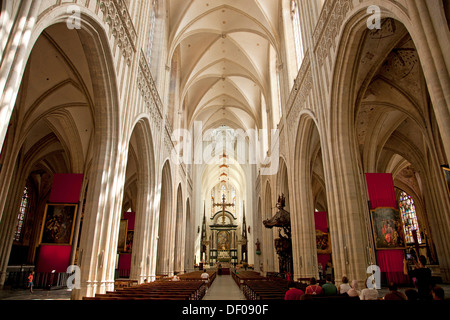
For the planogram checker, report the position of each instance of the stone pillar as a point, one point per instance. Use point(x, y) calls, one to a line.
point(348, 208)
point(432, 39)
point(99, 236)
point(302, 215)
point(8, 224)
point(13, 63)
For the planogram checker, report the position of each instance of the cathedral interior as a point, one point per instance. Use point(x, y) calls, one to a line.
point(147, 139)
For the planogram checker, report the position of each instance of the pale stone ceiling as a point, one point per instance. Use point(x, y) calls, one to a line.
point(224, 49)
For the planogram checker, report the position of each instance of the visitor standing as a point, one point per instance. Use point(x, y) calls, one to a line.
point(422, 275)
point(30, 281)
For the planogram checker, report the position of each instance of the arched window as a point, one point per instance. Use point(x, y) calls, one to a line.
point(151, 37)
point(21, 216)
point(409, 217)
point(223, 192)
point(233, 200)
point(297, 32)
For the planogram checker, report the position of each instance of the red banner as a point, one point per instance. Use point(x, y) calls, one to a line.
point(380, 187)
point(66, 188)
point(53, 257)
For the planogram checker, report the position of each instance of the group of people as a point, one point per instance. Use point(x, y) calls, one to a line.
point(352, 290)
point(424, 289)
point(313, 289)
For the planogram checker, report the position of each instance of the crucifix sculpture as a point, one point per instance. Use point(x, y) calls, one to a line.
point(223, 205)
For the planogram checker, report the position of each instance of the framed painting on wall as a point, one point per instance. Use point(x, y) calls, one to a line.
point(129, 241)
point(122, 241)
point(58, 224)
point(387, 228)
point(447, 178)
point(323, 242)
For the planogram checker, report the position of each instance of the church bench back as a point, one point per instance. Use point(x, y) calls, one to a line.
point(264, 289)
point(158, 290)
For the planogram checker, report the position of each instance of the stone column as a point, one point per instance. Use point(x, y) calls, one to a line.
point(98, 246)
point(302, 216)
point(13, 63)
point(347, 210)
point(432, 39)
point(8, 224)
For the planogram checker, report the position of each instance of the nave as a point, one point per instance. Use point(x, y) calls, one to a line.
point(223, 287)
point(153, 138)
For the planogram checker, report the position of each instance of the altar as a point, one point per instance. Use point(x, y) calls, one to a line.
point(223, 245)
point(223, 256)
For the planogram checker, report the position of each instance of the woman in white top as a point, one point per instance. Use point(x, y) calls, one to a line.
point(205, 276)
point(344, 287)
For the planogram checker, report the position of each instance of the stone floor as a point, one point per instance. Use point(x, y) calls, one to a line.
point(38, 294)
point(224, 288)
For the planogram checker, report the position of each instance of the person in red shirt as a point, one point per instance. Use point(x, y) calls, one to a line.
point(293, 293)
point(30, 281)
point(314, 288)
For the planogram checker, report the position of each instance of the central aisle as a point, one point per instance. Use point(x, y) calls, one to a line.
point(224, 288)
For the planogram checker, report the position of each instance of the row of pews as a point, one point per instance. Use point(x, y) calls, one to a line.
point(258, 289)
point(265, 289)
point(190, 287)
point(244, 275)
point(196, 275)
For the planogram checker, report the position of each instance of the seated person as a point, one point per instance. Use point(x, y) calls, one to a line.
point(175, 278)
point(411, 295)
point(344, 287)
point(369, 293)
point(354, 291)
point(329, 289)
point(394, 294)
point(438, 293)
point(314, 288)
point(205, 276)
point(293, 293)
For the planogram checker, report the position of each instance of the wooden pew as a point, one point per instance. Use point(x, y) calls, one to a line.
point(242, 276)
point(157, 290)
point(265, 289)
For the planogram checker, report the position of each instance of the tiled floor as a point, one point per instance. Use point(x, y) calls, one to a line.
point(224, 288)
point(38, 294)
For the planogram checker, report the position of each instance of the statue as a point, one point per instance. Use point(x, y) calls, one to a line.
point(281, 219)
point(283, 244)
point(258, 247)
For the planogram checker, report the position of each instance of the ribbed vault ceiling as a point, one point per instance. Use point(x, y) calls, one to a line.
point(224, 49)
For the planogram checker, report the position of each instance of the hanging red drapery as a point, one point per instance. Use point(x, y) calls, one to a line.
point(66, 188)
point(391, 262)
point(321, 223)
point(380, 187)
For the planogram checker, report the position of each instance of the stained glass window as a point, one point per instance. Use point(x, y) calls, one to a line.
point(212, 201)
point(409, 217)
point(297, 32)
point(233, 197)
point(152, 31)
point(224, 192)
point(21, 215)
